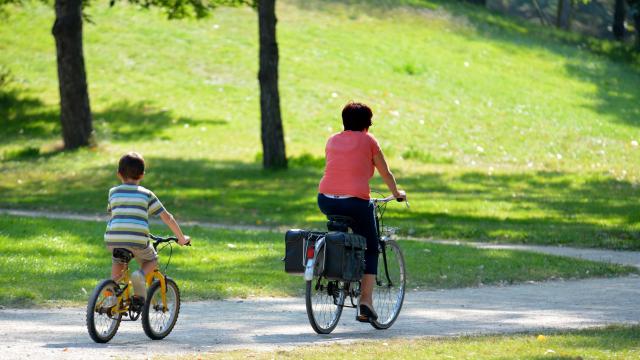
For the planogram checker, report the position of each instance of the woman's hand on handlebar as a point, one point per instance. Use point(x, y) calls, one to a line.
point(401, 195)
point(185, 240)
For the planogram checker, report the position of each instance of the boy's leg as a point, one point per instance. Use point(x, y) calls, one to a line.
point(117, 271)
point(147, 258)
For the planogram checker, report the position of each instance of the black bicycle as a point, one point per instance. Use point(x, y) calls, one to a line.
point(325, 299)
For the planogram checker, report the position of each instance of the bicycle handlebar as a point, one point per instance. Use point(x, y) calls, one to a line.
point(160, 239)
point(390, 198)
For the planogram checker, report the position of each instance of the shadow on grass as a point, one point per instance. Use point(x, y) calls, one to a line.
point(24, 118)
point(72, 256)
point(538, 207)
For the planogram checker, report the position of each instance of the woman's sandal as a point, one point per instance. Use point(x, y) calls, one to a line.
point(367, 314)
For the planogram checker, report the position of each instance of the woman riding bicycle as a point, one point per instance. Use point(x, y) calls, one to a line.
point(351, 156)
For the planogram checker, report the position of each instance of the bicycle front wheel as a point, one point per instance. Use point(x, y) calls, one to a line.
point(388, 295)
point(157, 319)
point(102, 318)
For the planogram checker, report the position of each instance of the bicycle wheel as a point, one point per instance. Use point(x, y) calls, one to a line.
point(102, 324)
point(156, 321)
point(324, 301)
point(388, 294)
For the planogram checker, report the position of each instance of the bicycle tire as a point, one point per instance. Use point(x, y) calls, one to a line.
point(153, 314)
point(323, 317)
point(98, 335)
point(388, 298)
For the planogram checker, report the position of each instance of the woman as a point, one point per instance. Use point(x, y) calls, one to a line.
point(344, 189)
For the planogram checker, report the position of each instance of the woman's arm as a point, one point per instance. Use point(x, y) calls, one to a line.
point(381, 164)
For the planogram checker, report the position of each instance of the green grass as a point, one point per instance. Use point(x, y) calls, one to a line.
point(617, 342)
point(54, 260)
point(499, 130)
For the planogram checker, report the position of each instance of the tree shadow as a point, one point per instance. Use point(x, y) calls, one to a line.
point(24, 118)
point(126, 121)
point(543, 207)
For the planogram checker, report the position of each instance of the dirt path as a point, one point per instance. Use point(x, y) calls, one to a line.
point(281, 322)
point(631, 258)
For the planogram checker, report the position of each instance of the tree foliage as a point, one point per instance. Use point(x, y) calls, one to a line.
point(177, 9)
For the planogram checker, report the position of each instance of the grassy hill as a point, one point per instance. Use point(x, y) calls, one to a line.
point(498, 130)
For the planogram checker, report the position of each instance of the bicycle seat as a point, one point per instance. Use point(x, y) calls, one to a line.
point(122, 254)
point(340, 223)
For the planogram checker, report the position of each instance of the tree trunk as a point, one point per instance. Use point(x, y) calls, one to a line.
point(563, 20)
point(478, 2)
point(271, 123)
point(635, 11)
point(619, 15)
point(75, 112)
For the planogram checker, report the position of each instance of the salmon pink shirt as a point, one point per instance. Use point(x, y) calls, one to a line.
point(349, 164)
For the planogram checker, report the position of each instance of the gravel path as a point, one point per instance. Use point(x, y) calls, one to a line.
point(272, 323)
point(631, 258)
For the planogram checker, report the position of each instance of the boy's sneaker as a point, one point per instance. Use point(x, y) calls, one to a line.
point(137, 303)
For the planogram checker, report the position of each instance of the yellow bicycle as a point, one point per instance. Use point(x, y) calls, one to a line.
point(112, 302)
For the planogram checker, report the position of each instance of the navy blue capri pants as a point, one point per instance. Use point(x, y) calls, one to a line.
point(363, 212)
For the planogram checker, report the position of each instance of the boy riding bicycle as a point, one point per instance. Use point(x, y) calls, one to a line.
point(127, 233)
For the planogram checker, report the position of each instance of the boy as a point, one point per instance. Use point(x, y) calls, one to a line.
point(128, 228)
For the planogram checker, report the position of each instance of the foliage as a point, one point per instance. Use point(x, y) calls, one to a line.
point(187, 8)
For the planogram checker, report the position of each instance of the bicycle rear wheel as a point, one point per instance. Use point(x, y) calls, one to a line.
point(102, 323)
point(158, 321)
point(324, 300)
point(388, 294)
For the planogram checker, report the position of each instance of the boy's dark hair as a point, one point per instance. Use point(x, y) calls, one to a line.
point(356, 116)
point(131, 166)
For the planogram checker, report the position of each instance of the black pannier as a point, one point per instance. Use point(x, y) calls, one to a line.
point(344, 258)
point(295, 253)
point(294, 257)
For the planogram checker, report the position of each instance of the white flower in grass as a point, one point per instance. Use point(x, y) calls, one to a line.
point(231, 246)
point(480, 149)
point(559, 156)
point(334, 95)
point(634, 143)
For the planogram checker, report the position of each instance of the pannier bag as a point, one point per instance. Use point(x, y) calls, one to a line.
point(299, 246)
point(344, 258)
point(294, 253)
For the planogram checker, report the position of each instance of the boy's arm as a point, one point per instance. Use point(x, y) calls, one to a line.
point(168, 219)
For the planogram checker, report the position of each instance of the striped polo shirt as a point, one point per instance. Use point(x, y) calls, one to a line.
point(130, 207)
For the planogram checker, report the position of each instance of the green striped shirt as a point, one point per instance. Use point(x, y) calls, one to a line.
point(130, 207)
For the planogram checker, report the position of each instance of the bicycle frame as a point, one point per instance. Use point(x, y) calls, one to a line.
point(126, 292)
point(381, 239)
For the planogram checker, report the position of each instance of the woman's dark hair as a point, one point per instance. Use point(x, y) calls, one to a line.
point(356, 116)
point(131, 166)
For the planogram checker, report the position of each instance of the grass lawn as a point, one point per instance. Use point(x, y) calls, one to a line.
point(498, 130)
point(617, 342)
point(53, 260)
